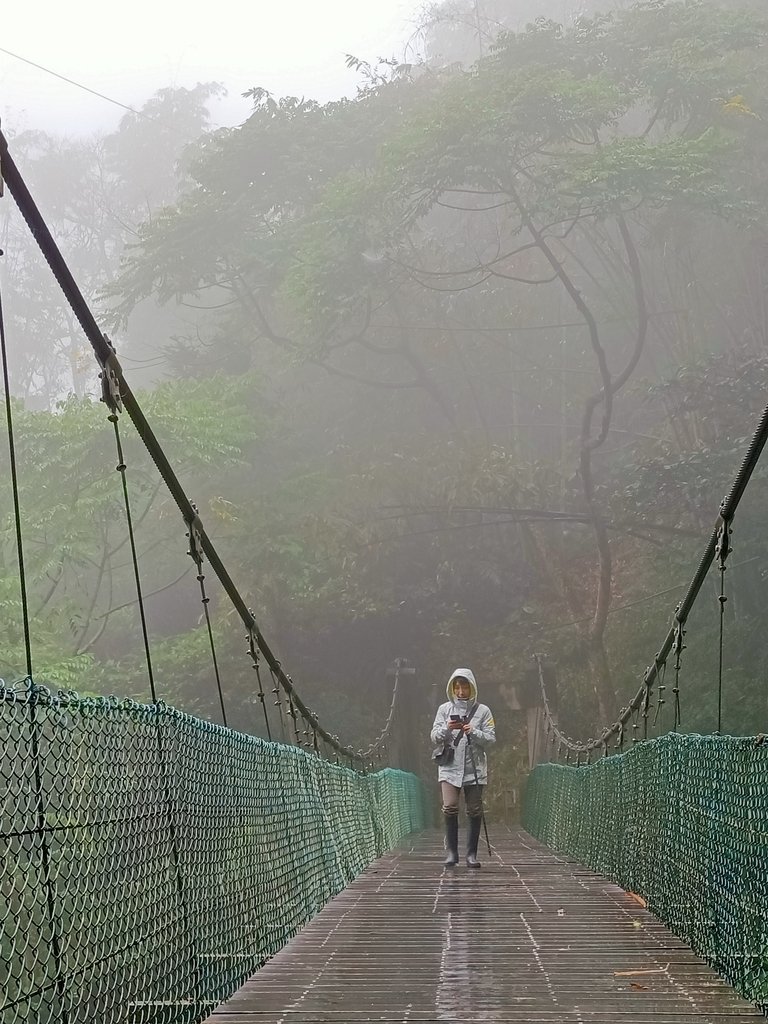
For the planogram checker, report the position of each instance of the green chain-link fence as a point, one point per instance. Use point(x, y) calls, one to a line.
point(152, 861)
point(683, 821)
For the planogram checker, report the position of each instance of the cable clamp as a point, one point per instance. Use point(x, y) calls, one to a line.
point(677, 644)
point(253, 645)
point(723, 547)
point(111, 375)
point(195, 534)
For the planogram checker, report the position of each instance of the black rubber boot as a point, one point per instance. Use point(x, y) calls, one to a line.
point(472, 839)
point(451, 840)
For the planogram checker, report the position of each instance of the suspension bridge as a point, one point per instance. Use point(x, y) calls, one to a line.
point(162, 869)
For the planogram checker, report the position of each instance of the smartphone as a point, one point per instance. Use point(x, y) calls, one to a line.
point(455, 718)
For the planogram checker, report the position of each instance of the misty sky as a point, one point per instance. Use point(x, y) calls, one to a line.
point(128, 51)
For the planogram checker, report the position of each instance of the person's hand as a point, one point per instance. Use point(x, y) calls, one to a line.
point(467, 728)
point(455, 725)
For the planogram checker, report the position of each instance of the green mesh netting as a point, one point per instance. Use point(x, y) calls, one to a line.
point(152, 861)
point(682, 820)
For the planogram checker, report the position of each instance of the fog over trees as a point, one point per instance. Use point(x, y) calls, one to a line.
point(456, 369)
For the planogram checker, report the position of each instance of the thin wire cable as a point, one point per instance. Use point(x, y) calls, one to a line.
point(16, 498)
point(646, 706)
point(519, 328)
point(114, 380)
point(660, 701)
point(722, 599)
point(121, 468)
point(168, 798)
point(204, 599)
point(722, 551)
point(278, 702)
point(378, 742)
point(196, 555)
point(678, 648)
point(41, 830)
point(262, 695)
point(71, 81)
point(41, 816)
point(717, 547)
point(292, 713)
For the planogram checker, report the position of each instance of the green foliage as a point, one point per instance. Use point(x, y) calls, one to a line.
point(406, 477)
point(73, 521)
point(359, 236)
point(93, 193)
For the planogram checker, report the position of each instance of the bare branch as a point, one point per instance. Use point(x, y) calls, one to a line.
point(471, 209)
point(524, 280)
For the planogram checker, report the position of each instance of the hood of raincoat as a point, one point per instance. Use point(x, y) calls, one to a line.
point(467, 674)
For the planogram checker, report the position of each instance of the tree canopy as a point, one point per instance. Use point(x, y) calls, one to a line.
point(460, 361)
point(363, 236)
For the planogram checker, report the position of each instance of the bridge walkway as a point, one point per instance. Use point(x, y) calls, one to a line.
point(531, 938)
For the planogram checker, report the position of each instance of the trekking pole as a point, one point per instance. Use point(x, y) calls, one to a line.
point(477, 783)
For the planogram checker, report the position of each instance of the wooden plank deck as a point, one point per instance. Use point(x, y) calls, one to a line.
point(532, 937)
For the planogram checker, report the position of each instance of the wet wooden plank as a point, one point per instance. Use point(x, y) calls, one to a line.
point(531, 938)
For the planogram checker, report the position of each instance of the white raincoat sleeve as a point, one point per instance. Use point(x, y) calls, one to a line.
point(440, 728)
point(483, 727)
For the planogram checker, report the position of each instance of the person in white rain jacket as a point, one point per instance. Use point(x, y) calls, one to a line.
point(466, 727)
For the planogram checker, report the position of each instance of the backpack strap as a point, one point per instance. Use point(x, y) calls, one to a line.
point(467, 718)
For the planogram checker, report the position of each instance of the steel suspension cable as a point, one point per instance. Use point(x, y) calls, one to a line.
point(16, 496)
point(717, 547)
point(114, 378)
point(378, 743)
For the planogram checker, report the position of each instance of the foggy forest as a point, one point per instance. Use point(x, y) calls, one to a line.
point(457, 369)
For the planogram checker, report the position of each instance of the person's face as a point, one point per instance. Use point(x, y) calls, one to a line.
point(461, 688)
